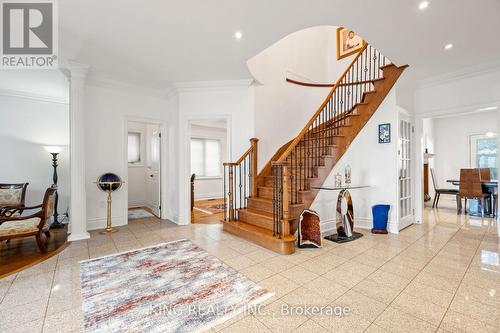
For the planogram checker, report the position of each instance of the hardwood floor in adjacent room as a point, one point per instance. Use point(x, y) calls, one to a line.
point(21, 253)
point(203, 213)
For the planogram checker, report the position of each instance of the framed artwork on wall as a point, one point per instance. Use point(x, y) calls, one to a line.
point(384, 133)
point(348, 42)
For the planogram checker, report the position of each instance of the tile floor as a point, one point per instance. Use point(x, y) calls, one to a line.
point(441, 276)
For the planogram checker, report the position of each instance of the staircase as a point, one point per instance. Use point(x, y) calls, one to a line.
point(263, 207)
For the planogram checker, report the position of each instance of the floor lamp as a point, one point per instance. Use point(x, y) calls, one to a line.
point(55, 151)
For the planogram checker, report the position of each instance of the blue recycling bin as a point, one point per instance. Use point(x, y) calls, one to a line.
point(380, 217)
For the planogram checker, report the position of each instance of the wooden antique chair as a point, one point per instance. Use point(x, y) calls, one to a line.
point(36, 224)
point(12, 195)
point(439, 191)
point(471, 187)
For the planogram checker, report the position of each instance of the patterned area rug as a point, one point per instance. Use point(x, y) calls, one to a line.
point(172, 287)
point(137, 214)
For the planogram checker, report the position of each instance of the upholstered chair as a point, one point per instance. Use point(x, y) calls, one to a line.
point(12, 195)
point(37, 224)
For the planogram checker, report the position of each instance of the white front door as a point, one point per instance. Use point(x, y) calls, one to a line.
point(405, 180)
point(153, 174)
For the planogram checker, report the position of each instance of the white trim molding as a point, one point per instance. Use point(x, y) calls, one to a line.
point(211, 85)
point(465, 73)
point(33, 96)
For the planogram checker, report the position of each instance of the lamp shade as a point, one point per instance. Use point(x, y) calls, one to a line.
point(53, 149)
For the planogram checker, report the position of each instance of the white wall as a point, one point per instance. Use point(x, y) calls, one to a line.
point(210, 187)
point(228, 100)
point(459, 92)
point(26, 125)
point(108, 108)
point(451, 142)
point(308, 55)
point(371, 164)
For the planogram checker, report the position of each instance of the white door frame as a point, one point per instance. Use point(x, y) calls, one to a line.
point(185, 162)
point(419, 151)
point(164, 168)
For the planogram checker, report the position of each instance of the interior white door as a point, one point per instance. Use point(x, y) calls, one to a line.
point(153, 174)
point(406, 217)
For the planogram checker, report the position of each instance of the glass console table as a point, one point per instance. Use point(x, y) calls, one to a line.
point(345, 213)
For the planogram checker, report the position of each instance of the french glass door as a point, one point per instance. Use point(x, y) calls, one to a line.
point(405, 173)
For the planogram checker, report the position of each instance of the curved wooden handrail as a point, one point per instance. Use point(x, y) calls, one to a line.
point(307, 84)
point(299, 137)
point(326, 85)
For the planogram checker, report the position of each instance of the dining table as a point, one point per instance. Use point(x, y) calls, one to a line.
point(489, 185)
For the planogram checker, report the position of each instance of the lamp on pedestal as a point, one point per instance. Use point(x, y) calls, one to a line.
point(55, 151)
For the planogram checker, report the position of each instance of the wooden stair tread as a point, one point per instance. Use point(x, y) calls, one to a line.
point(261, 236)
point(257, 212)
point(270, 188)
point(266, 200)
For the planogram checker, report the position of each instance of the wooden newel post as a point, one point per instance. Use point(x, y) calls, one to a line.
point(231, 192)
point(285, 223)
point(255, 152)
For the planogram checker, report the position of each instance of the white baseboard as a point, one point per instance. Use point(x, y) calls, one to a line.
point(77, 237)
point(329, 227)
point(393, 227)
point(136, 204)
point(100, 223)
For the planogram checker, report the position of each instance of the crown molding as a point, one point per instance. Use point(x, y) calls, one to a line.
point(464, 73)
point(33, 96)
point(212, 85)
point(490, 106)
point(105, 82)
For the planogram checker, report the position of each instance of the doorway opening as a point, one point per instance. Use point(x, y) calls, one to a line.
point(144, 170)
point(454, 142)
point(208, 147)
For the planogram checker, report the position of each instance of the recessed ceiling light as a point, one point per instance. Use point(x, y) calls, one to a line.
point(423, 5)
point(238, 35)
point(448, 46)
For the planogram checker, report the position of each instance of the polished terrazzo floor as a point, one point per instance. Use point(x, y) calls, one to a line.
point(441, 276)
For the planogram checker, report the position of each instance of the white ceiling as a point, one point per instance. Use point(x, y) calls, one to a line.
point(157, 42)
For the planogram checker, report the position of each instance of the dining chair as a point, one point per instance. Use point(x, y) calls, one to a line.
point(485, 174)
point(471, 187)
point(439, 191)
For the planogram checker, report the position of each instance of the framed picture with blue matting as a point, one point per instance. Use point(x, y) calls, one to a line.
point(384, 133)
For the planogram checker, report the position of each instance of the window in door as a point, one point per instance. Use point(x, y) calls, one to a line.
point(206, 159)
point(134, 148)
point(484, 152)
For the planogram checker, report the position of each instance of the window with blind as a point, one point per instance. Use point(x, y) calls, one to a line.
point(206, 159)
point(484, 152)
point(134, 148)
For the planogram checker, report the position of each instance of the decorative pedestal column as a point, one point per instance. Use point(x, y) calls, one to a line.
point(78, 204)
